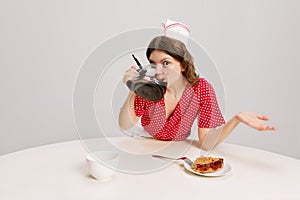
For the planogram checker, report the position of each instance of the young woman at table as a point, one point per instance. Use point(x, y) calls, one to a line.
point(187, 97)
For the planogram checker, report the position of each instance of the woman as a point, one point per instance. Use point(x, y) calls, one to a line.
point(187, 97)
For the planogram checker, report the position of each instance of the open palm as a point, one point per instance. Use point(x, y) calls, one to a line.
point(255, 121)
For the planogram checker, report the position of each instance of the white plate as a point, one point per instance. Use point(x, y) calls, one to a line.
point(225, 170)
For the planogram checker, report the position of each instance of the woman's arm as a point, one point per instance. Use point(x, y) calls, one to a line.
point(127, 116)
point(209, 138)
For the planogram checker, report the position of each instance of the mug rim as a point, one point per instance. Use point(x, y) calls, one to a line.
point(92, 156)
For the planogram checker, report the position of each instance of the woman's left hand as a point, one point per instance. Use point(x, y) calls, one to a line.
point(255, 120)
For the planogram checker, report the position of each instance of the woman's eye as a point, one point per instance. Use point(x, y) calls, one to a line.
point(166, 63)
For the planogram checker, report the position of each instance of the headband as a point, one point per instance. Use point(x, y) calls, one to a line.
point(176, 30)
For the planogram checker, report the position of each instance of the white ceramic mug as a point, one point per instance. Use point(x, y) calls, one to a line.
point(102, 164)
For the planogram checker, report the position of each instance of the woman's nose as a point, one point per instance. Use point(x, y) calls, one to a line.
point(159, 69)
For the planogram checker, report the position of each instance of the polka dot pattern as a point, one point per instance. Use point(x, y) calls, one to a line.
point(198, 100)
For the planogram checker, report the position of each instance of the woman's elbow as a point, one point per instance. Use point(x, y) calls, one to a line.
point(123, 126)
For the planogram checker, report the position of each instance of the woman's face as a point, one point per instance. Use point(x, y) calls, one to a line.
point(168, 69)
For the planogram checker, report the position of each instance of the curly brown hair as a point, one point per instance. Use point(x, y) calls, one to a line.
point(178, 51)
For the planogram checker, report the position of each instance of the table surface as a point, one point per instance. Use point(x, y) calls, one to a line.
point(59, 171)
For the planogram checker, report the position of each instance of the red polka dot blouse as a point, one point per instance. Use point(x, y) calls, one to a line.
point(197, 100)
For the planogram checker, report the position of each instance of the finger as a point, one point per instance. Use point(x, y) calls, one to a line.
point(127, 78)
point(130, 75)
point(133, 71)
point(268, 128)
point(261, 128)
point(271, 128)
point(262, 117)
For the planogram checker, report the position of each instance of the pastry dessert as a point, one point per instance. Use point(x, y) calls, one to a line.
point(207, 164)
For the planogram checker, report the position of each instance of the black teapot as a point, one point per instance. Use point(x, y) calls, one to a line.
point(146, 85)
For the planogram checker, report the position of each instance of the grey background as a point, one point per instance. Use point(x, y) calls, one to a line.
point(255, 45)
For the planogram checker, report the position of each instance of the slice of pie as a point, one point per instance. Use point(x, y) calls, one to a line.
point(207, 164)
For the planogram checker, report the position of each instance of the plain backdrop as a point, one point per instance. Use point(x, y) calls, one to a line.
point(255, 45)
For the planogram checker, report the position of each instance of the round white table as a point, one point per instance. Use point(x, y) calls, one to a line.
point(59, 171)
